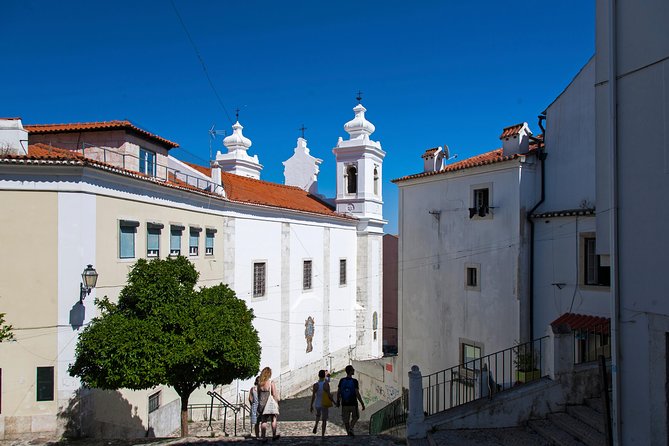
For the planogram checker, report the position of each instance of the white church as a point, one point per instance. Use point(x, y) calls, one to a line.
point(110, 193)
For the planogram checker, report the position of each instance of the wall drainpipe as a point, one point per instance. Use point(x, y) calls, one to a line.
point(613, 225)
point(542, 157)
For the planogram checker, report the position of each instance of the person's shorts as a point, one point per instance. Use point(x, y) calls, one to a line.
point(350, 411)
point(322, 412)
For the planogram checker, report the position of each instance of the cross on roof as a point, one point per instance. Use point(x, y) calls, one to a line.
point(237, 113)
point(302, 129)
point(359, 96)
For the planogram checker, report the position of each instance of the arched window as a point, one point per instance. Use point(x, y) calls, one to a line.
point(351, 180)
point(376, 181)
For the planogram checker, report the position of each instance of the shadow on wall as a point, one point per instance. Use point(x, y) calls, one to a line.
point(96, 413)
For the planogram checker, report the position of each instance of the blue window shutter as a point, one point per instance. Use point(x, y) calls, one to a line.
point(127, 242)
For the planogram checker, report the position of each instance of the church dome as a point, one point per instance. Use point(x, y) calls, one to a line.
point(359, 126)
point(237, 141)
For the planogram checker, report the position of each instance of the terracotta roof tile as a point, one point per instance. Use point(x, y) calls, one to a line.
point(574, 321)
point(429, 152)
point(237, 188)
point(492, 157)
point(249, 190)
point(94, 126)
point(511, 130)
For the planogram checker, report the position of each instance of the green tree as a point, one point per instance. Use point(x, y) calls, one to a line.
point(164, 332)
point(5, 329)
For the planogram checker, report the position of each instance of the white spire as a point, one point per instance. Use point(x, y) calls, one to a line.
point(237, 160)
point(359, 126)
point(237, 141)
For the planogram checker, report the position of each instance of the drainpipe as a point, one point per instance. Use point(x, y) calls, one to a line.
point(613, 225)
point(542, 157)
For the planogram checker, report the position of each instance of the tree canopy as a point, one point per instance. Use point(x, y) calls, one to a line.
point(163, 331)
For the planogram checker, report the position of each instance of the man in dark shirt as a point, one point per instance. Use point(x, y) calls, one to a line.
point(348, 395)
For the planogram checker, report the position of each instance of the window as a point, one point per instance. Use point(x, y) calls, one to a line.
point(376, 181)
point(175, 240)
point(259, 279)
point(154, 402)
point(351, 180)
point(209, 242)
point(342, 271)
point(147, 162)
point(153, 239)
point(480, 203)
point(44, 383)
point(306, 275)
point(470, 353)
point(596, 270)
point(473, 276)
point(126, 239)
point(194, 241)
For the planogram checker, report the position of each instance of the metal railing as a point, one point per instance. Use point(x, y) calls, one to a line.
point(226, 405)
point(485, 376)
point(592, 342)
point(152, 169)
point(393, 415)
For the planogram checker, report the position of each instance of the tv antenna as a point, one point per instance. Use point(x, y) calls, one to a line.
point(212, 137)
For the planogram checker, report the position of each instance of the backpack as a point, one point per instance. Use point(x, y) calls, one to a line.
point(347, 391)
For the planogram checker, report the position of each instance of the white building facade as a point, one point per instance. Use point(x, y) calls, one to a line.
point(462, 244)
point(311, 274)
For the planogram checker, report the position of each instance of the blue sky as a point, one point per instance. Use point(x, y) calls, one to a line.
point(431, 72)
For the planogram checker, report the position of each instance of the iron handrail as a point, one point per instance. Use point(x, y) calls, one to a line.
point(483, 377)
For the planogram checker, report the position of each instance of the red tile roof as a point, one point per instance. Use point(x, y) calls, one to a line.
point(573, 321)
point(96, 126)
point(248, 190)
point(237, 188)
point(492, 157)
point(429, 152)
point(511, 130)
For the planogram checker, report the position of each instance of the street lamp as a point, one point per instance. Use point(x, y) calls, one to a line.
point(89, 278)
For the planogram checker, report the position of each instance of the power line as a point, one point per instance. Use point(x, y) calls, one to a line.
point(204, 66)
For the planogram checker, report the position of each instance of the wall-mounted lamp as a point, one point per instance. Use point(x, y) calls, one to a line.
point(88, 280)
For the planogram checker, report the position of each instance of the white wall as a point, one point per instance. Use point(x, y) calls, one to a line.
point(436, 312)
point(642, 40)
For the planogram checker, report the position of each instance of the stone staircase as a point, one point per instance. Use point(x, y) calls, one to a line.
point(578, 425)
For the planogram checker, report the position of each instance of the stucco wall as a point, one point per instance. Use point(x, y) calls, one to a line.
point(28, 296)
point(437, 241)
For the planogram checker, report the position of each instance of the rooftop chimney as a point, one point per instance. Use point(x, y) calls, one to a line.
point(13, 137)
point(433, 159)
point(516, 139)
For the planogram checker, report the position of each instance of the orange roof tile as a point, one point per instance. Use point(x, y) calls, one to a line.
point(429, 152)
point(492, 157)
point(249, 190)
point(574, 321)
point(95, 126)
point(237, 188)
point(511, 130)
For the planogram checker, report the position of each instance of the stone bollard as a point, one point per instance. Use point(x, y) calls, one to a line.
point(416, 427)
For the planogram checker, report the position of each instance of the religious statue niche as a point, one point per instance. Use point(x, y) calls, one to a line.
point(309, 333)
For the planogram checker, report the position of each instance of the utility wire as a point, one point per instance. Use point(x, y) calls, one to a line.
point(204, 66)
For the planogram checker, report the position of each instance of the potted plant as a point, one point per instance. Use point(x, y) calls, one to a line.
point(525, 363)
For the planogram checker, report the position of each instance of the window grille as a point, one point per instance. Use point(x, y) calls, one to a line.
point(258, 279)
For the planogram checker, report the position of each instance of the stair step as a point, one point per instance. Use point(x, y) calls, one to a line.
point(588, 416)
point(578, 429)
point(596, 404)
point(553, 434)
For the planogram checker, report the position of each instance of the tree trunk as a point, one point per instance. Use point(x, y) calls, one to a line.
point(184, 414)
